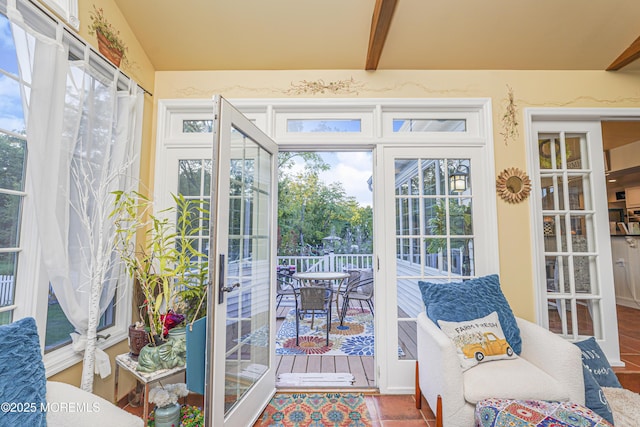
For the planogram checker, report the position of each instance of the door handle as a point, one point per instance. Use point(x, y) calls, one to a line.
point(221, 287)
point(230, 288)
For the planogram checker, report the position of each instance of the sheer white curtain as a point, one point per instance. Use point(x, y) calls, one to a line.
point(83, 137)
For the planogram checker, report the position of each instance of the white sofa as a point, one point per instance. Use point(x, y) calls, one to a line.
point(549, 368)
point(71, 406)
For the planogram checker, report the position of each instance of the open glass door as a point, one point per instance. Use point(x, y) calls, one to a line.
point(240, 375)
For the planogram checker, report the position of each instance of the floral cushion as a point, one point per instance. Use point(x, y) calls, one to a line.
point(531, 413)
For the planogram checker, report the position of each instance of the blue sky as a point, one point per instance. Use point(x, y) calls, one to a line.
point(11, 116)
point(352, 169)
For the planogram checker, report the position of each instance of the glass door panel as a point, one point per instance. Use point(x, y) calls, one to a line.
point(242, 377)
point(577, 299)
point(433, 211)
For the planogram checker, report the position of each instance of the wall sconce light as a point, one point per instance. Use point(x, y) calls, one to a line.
point(458, 179)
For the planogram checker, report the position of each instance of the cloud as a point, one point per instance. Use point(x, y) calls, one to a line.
point(352, 169)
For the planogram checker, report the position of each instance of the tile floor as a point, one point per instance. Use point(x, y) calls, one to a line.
point(400, 410)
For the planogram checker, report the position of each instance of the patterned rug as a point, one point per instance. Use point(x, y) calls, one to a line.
point(353, 338)
point(316, 410)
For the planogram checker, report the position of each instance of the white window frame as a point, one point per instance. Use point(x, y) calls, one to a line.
point(65, 9)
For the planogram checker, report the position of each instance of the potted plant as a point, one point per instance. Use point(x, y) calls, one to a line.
point(109, 42)
point(163, 264)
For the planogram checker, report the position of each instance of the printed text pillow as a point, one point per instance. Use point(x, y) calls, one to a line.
point(478, 340)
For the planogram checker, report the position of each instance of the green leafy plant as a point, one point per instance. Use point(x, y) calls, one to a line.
point(190, 416)
point(99, 24)
point(166, 262)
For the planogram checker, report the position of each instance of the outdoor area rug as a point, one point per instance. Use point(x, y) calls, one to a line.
point(353, 338)
point(316, 410)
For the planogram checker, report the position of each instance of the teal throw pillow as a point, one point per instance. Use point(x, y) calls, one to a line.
point(23, 383)
point(594, 359)
point(469, 300)
point(594, 397)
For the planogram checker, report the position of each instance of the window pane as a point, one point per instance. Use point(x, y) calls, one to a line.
point(462, 257)
point(587, 310)
point(9, 220)
point(13, 153)
point(578, 189)
point(8, 262)
point(331, 125)
point(576, 152)
point(460, 216)
point(197, 126)
point(552, 192)
point(554, 234)
point(8, 57)
point(429, 125)
point(58, 326)
point(437, 251)
point(407, 339)
point(190, 177)
point(550, 156)
point(433, 178)
point(11, 114)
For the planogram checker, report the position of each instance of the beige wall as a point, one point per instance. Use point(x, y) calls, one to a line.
point(530, 89)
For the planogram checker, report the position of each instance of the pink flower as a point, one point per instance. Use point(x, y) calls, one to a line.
point(171, 320)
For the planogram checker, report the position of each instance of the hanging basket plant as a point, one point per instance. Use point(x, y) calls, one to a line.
point(109, 42)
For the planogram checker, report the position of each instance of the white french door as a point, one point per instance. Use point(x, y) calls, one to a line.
point(439, 226)
point(241, 375)
point(574, 270)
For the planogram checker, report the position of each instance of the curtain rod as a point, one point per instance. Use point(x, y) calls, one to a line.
point(84, 43)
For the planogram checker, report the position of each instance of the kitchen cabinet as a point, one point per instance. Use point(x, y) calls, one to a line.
point(632, 197)
point(625, 251)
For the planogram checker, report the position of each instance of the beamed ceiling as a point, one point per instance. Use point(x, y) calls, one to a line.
point(387, 34)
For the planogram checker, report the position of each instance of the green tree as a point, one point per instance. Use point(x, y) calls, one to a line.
point(310, 210)
point(12, 161)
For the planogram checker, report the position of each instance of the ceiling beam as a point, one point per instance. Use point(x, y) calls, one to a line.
point(380, 24)
point(627, 57)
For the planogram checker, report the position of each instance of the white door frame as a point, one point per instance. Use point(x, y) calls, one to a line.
point(573, 116)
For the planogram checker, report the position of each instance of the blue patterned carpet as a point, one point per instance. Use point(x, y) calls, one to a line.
point(354, 338)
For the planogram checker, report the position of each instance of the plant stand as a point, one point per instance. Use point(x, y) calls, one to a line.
point(125, 362)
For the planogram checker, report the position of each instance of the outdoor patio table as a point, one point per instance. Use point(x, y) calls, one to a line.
point(319, 276)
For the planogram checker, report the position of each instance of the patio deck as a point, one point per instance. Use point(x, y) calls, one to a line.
point(361, 367)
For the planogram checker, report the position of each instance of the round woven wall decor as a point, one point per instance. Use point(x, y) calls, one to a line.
point(513, 185)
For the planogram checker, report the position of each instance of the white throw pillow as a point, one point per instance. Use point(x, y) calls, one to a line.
point(478, 340)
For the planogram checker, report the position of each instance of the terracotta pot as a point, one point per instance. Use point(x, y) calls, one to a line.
point(105, 48)
point(138, 338)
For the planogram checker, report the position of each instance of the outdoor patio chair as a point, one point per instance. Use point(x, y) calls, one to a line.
point(361, 290)
point(286, 287)
point(313, 300)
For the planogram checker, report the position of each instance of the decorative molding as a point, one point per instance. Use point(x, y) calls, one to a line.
point(513, 185)
point(510, 119)
point(305, 87)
